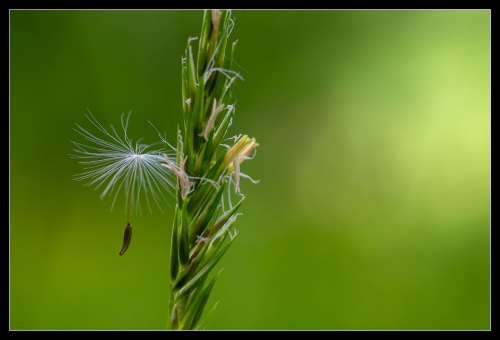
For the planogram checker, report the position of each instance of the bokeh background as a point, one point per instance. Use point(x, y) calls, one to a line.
point(373, 207)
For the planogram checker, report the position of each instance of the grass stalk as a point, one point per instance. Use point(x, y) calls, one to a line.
point(205, 171)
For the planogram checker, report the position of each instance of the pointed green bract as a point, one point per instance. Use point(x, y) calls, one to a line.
point(197, 307)
point(204, 322)
point(204, 270)
point(174, 249)
point(203, 46)
point(183, 236)
point(205, 213)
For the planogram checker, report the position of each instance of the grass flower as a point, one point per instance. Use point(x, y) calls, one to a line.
point(204, 214)
point(115, 164)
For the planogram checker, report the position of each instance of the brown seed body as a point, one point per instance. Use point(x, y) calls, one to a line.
point(127, 237)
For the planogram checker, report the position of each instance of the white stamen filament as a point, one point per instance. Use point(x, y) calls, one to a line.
point(211, 120)
point(185, 184)
point(236, 166)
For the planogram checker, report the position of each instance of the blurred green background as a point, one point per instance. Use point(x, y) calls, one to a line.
point(373, 207)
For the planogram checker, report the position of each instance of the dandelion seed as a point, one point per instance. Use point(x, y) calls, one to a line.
point(115, 163)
